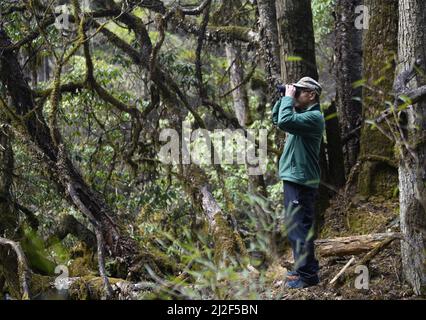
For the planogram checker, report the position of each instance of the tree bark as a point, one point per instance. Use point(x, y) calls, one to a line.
point(236, 77)
point(296, 37)
point(412, 167)
point(8, 217)
point(269, 40)
point(235, 59)
point(334, 148)
point(348, 70)
point(380, 45)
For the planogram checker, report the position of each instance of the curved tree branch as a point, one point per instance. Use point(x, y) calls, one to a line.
point(24, 271)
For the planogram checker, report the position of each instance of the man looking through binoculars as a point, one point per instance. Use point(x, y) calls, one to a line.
point(298, 113)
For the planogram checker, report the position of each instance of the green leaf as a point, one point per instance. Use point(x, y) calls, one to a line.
point(331, 116)
point(293, 58)
point(358, 83)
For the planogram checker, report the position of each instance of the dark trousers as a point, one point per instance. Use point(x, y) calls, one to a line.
point(299, 218)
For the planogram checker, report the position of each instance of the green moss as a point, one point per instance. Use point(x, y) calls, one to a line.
point(228, 243)
point(376, 178)
point(231, 32)
point(89, 288)
point(40, 284)
point(365, 222)
point(223, 239)
point(33, 247)
point(380, 47)
point(11, 282)
point(360, 217)
point(83, 261)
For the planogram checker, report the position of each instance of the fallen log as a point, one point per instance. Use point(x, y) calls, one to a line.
point(353, 245)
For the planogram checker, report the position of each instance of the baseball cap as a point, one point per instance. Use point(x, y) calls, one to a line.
point(309, 83)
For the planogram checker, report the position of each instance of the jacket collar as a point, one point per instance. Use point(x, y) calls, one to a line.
point(315, 106)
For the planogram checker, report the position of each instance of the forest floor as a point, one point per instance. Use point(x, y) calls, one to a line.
point(363, 216)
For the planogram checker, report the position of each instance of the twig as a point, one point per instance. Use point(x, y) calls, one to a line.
point(352, 260)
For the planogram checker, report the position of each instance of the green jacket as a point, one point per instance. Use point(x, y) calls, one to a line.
point(299, 162)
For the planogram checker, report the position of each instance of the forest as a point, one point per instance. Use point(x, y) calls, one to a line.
point(139, 158)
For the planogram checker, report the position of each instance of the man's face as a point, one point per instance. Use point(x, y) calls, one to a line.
point(306, 98)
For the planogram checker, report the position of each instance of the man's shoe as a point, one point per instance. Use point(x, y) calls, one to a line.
point(292, 275)
point(299, 284)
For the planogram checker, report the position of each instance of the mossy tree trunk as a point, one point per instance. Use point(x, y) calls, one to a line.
point(226, 15)
point(380, 46)
point(412, 165)
point(228, 243)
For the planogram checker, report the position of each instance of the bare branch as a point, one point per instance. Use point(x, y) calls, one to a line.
point(197, 10)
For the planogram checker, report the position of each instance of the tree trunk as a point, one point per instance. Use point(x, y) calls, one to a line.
point(228, 243)
point(297, 43)
point(412, 171)
point(270, 49)
point(334, 148)
point(269, 42)
point(236, 77)
point(348, 70)
point(380, 45)
point(8, 217)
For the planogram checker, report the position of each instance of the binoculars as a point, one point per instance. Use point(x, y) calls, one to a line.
point(281, 90)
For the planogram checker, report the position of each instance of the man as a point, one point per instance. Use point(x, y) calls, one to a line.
point(300, 171)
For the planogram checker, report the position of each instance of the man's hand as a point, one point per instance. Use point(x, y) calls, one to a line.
point(290, 91)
